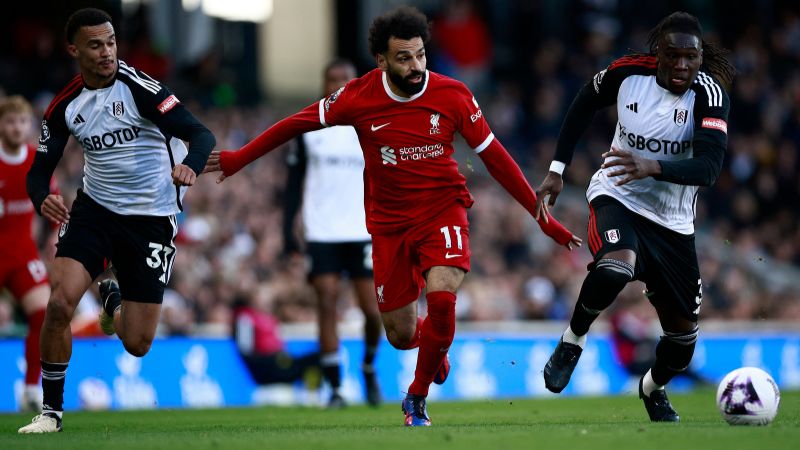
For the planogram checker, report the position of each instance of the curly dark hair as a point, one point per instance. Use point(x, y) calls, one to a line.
point(715, 58)
point(86, 17)
point(405, 22)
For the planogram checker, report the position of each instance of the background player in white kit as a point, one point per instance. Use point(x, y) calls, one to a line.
point(326, 175)
point(136, 171)
point(671, 138)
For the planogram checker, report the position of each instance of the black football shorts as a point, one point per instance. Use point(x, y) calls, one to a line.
point(140, 248)
point(351, 258)
point(666, 261)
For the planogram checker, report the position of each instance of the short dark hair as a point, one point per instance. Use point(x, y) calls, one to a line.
point(86, 17)
point(405, 22)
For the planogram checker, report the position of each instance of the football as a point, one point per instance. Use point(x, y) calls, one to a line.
point(748, 396)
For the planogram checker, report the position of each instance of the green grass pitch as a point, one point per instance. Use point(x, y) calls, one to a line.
point(555, 423)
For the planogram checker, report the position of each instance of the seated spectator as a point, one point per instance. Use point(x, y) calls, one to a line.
point(257, 337)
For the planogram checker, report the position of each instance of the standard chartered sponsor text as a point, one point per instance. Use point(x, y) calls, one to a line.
point(416, 153)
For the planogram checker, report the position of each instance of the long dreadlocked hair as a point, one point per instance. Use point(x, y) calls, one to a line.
point(715, 58)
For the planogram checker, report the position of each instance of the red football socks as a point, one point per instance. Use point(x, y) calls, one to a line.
point(34, 369)
point(438, 331)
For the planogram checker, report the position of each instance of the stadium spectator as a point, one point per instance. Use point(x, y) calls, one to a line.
point(463, 45)
point(416, 199)
point(641, 201)
point(634, 334)
point(257, 337)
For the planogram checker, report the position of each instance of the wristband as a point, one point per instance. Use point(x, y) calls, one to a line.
point(557, 167)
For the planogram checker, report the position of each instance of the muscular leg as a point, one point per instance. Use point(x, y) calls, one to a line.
point(326, 287)
point(602, 285)
point(135, 324)
point(365, 294)
point(674, 350)
point(402, 326)
point(69, 280)
point(599, 290)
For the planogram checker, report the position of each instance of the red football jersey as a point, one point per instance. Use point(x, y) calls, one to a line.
point(410, 174)
point(16, 209)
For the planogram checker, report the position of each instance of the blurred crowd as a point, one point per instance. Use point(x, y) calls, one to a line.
point(526, 61)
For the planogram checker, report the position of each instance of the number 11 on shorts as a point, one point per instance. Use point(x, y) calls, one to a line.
point(448, 241)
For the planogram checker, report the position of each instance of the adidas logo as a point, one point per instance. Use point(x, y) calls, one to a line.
point(78, 119)
point(633, 107)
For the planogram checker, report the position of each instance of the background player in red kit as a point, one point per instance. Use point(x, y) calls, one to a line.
point(415, 198)
point(21, 270)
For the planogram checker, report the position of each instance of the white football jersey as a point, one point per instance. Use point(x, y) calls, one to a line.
point(128, 159)
point(333, 190)
point(656, 124)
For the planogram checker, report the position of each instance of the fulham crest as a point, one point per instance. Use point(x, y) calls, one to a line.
point(680, 117)
point(612, 236)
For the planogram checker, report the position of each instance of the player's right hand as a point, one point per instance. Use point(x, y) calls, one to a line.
point(551, 186)
point(213, 165)
point(575, 242)
point(54, 210)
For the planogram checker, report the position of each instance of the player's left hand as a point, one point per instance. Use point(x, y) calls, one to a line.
point(213, 164)
point(183, 175)
point(627, 163)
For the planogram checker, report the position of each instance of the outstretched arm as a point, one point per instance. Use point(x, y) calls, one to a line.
point(231, 162)
point(506, 171)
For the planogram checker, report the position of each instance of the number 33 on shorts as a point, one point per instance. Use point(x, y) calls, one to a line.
point(161, 258)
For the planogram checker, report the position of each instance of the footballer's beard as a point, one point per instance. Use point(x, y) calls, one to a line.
point(407, 86)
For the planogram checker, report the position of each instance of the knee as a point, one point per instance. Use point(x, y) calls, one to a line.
point(616, 272)
point(401, 337)
point(138, 346)
point(59, 311)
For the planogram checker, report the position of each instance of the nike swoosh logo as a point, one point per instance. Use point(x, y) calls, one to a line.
point(449, 256)
point(374, 128)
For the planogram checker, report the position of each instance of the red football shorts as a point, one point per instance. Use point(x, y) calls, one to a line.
point(400, 259)
point(22, 273)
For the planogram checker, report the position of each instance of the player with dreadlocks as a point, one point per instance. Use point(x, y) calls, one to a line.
point(670, 139)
